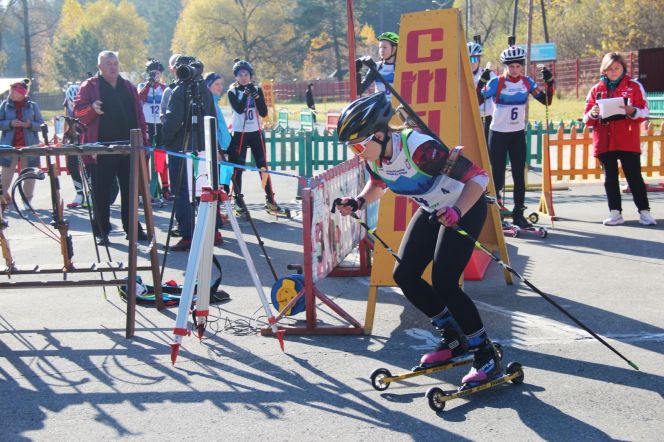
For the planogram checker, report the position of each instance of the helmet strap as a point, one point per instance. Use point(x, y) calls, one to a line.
point(383, 145)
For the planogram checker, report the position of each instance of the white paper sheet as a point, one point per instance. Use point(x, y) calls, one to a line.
point(609, 107)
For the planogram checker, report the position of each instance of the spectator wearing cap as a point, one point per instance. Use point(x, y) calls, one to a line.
point(20, 120)
point(110, 107)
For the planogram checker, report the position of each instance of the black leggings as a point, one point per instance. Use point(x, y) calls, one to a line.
point(450, 253)
point(238, 154)
point(631, 165)
point(514, 144)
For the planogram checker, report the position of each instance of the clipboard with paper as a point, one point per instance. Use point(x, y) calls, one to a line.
point(611, 109)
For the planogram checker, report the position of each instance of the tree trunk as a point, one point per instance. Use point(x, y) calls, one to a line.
point(28, 47)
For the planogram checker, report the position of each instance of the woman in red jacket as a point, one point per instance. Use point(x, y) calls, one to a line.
point(618, 137)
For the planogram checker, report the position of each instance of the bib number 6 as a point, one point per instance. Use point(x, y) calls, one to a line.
point(515, 113)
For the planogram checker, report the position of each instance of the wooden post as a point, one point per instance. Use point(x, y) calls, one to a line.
point(136, 141)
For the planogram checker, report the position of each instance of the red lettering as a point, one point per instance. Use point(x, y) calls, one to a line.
point(413, 46)
point(424, 77)
point(407, 80)
point(440, 85)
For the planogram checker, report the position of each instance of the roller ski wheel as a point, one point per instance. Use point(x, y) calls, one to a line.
point(438, 398)
point(378, 379)
point(533, 217)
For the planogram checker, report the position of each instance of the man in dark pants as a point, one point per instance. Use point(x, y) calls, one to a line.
point(110, 107)
point(177, 137)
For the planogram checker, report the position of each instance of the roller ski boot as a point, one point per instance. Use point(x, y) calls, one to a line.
point(486, 372)
point(525, 225)
point(240, 209)
point(454, 350)
point(273, 208)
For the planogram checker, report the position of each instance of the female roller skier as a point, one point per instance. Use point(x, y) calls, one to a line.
point(387, 50)
point(448, 187)
point(509, 93)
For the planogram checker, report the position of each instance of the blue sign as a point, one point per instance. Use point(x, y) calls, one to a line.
point(542, 52)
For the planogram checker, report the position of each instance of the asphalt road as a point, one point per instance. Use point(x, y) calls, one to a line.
point(68, 373)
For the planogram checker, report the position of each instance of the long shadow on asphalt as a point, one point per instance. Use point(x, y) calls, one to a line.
point(264, 387)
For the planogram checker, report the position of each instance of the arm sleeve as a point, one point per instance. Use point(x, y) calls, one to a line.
point(590, 103)
point(543, 96)
point(238, 106)
point(5, 124)
point(640, 102)
point(173, 119)
point(260, 103)
point(37, 119)
point(83, 104)
point(364, 84)
point(143, 90)
point(431, 158)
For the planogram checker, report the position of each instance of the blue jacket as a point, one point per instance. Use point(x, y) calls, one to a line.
point(223, 136)
point(7, 114)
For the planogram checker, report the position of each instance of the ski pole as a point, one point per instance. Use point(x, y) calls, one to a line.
point(370, 231)
point(481, 246)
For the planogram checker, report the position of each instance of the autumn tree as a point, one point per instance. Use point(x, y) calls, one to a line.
point(217, 31)
point(84, 28)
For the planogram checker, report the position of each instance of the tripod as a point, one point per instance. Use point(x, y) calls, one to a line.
point(199, 264)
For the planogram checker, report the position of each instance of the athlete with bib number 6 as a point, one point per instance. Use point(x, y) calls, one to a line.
point(509, 93)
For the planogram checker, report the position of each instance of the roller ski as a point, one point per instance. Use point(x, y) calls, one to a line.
point(520, 223)
point(381, 378)
point(486, 372)
point(240, 209)
point(272, 208)
point(437, 397)
point(455, 349)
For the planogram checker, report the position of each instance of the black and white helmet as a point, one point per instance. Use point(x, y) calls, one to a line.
point(474, 49)
point(243, 65)
point(364, 116)
point(513, 54)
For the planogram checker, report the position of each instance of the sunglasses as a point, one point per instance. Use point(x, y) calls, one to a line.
point(474, 59)
point(359, 148)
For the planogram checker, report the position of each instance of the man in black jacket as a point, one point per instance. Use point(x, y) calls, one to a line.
point(178, 137)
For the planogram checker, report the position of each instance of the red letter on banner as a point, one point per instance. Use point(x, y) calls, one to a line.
point(408, 78)
point(413, 43)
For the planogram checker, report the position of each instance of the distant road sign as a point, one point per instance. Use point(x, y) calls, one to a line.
point(542, 51)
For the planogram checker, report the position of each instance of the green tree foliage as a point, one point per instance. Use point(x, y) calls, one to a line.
point(217, 31)
point(161, 17)
point(384, 15)
point(74, 56)
point(102, 25)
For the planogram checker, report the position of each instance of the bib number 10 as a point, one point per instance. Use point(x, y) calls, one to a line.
point(250, 114)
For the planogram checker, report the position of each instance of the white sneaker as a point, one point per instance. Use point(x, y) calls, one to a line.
point(614, 219)
point(646, 218)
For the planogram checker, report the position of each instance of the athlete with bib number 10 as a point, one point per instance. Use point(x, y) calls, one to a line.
point(248, 105)
point(509, 93)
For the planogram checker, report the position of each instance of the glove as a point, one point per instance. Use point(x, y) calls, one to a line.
point(449, 216)
point(348, 201)
point(547, 76)
point(368, 62)
point(358, 64)
point(251, 88)
point(486, 76)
